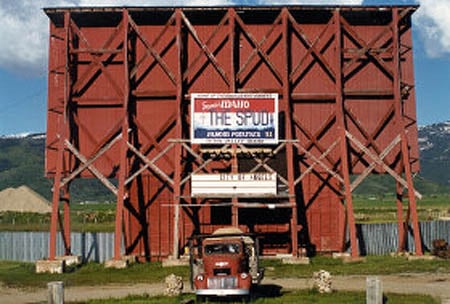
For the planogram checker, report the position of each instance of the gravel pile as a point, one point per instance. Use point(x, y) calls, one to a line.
point(23, 199)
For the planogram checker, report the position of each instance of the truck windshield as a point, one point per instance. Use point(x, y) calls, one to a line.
point(222, 248)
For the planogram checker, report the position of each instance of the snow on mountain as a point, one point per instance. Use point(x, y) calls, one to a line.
point(24, 135)
point(435, 134)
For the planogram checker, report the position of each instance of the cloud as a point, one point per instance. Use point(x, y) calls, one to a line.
point(23, 28)
point(433, 23)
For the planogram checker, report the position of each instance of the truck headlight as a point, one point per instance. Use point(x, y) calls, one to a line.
point(200, 277)
point(244, 275)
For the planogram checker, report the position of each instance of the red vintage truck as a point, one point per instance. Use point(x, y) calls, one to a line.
point(224, 264)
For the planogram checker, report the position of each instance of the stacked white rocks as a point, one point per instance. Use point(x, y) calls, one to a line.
point(322, 281)
point(174, 285)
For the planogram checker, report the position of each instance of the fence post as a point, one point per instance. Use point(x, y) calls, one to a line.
point(374, 291)
point(55, 292)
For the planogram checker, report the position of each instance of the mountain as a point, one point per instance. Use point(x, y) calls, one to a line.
point(434, 144)
point(22, 163)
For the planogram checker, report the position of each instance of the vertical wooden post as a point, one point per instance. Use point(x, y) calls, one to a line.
point(234, 160)
point(179, 134)
point(400, 222)
point(374, 291)
point(234, 199)
point(123, 144)
point(55, 199)
point(286, 108)
point(340, 118)
point(55, 292)
point(233, 47)
point(66, 200)
point(401, 126)
point(61, 126)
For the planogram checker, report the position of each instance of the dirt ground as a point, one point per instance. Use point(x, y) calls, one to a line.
point(436, 285)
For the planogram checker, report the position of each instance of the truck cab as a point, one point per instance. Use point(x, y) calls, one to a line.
point(225, 264)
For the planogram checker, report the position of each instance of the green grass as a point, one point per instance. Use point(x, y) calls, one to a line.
point(388, 201)
point(372, 265)
point(101, 217)
point(376, 209)
point(17, 274)
point(23, 274)
point(298, 296)
point(83, 218)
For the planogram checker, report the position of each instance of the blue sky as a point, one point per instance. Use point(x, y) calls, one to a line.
point(23, 53)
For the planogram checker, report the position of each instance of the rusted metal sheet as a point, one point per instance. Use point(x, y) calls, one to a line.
point(120, 84)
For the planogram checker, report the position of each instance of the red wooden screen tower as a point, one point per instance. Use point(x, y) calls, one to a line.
point(119, 87)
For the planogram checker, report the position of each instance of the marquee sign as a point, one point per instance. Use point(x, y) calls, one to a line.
point(234, 118)
point(255, 184)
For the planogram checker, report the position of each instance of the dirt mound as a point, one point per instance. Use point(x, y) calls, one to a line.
point(23, 199)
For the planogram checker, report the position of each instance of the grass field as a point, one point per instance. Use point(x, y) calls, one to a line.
point(370, 209)
point(17, 274)
point(22, 275)
point(100, 217)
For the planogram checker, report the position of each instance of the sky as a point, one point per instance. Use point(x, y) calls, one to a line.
point(24, 49)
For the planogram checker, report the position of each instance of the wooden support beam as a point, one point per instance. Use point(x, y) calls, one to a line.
point(286, 106)
point(340, 118)
point(178, 150)
point(258, 49)
point(62, 129)
point(97, 64)
point(123, 165)
point(66, 230)
point(151, 163)
point(400, 223)
point(318, 161)
point(312, 51)
point(396, 17)
point(234, 160)
point(90, 161)
point(370, 168)
point(150, 51)
point(205, 49)
point(91, 168)
point(380, 162)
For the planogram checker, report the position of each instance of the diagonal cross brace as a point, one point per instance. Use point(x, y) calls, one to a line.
point(263, 163)
point(312, 50)
point(90, 161)
point(314, 139)
point(259, 50)
point(318, 160)
point(150, 163)
point(370, 168)
point(365, 47)
point(96, 61)
point(380, 162)
point(206, 50)
point(151, 51)
point(199, 158)
point(207, 44)
point(88, 165)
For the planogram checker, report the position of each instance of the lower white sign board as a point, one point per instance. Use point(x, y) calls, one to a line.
point(234, 184)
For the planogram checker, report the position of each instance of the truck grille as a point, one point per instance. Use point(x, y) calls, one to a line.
point(222, 283)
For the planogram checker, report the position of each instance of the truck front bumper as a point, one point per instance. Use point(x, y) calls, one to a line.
point(222, 292)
